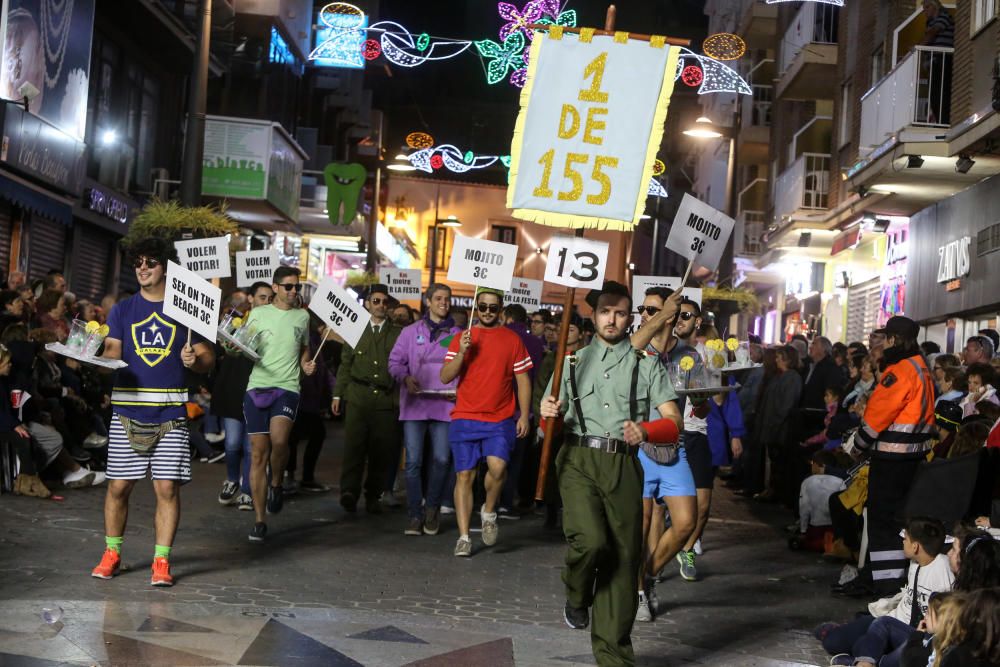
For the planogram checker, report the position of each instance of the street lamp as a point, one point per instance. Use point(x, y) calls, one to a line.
point(704, 129)
point(401, 163)
point(450, 221)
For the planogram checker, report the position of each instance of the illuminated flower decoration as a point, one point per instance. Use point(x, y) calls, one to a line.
point(687, 363)
point(437, 161)
point(732, 344)
point(419, 140)
point(659, 168)
point(692, 76)
point(567, 19)
point(502, 57)
point(724, 46)
point(519, 77)
point(371, 49)
point(549, 7)
point(518, 20)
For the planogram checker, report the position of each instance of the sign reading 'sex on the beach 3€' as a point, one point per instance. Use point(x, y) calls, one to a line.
point(192, 301)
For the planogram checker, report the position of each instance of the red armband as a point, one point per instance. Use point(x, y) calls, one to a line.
point(661, 431)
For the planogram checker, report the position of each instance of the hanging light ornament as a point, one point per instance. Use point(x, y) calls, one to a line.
point(343, 26)
point(718, 76)
point(659, 168)
point(692, 75)
point(502, 57)
point(517, 20)
point(437, 161)
point(371, 49)
point(419, 140)
point(724, 46)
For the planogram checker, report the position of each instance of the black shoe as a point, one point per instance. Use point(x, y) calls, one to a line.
point(373, 506)
point(855, 588)
point(275, 499)
point(578, 619)
point(79, 454)
point(259, 532)
point(349, 502)
point(312, 486)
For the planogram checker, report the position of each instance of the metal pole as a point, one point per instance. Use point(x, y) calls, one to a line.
point(194, 140)
point(434, 252)
point(654, 263)
point(372, 255)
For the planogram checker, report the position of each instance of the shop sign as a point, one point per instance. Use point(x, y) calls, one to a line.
point(34, 147)
point(898, 248)
point(106, 205)
point(954, 260)
point(845, 240)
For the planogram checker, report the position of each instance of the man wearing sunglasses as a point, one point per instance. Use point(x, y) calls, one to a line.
point(272, 399)
point(148, 428)
point(371, 425)
point(608, 390)
point(488, 359)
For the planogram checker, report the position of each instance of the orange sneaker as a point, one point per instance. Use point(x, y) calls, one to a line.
point(108, 567)
point(161, 573)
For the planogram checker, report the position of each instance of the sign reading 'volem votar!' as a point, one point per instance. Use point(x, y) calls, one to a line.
point(209, 258)
point(482, 263)
point(254, 266)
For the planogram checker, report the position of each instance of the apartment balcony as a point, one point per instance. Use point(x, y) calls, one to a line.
point(754, 138)
point(904, 155)
point(758, 25)
point(749, 233)
point(807, 62)
point(801, 192)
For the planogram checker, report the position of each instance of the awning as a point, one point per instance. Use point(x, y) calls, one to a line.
point(54, 208)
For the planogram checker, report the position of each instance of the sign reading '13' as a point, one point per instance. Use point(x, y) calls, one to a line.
point(954, 260)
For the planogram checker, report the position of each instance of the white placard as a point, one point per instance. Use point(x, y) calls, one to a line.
point(192, 301)
point(256, 266)
point(700, 232)
point(482, 263)
point(209, 258)
point(403, 284)
point(641, 283)
point(576, 262)
point(526, 292)
point(582, 148)
point(340, 310)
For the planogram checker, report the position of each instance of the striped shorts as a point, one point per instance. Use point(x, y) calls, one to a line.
point(170, 459)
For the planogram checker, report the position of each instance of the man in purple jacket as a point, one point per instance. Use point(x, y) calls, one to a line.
point(425, 404)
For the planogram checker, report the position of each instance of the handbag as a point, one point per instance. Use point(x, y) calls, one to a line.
point(663, 455)
point(264, 398)
point(143, 437)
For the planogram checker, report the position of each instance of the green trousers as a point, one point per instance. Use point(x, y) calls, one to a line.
point(371, 436)
point(602, 521)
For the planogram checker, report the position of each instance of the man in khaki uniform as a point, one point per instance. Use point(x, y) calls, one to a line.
point(371, 425)
point(607, 387)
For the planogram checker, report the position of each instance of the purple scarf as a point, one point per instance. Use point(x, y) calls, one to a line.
point(443, 326)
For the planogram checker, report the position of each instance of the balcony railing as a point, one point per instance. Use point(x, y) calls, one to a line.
point(757, 108)
point(753, 233)
point(916, 92)
point(804, 185)
point(816, 23)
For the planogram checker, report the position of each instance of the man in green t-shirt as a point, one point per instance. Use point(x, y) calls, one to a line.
point(272, 397)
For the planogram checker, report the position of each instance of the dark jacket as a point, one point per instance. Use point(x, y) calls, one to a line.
point(364, 375)
point(824, 374)
point(776, 414)
point(232, 374)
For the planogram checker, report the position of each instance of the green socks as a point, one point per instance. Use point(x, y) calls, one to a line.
point(114, 543)
point(161, 551)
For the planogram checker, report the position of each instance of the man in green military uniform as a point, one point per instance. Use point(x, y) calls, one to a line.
point(372, 420)
point(607, 388)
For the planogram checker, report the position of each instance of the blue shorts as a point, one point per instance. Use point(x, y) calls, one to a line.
point(473, 440)
point(671, 480)
point(285, 404)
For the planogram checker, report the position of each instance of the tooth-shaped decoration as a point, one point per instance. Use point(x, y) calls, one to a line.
point(343, 187)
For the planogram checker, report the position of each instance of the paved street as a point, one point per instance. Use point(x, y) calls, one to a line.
point(331, 589)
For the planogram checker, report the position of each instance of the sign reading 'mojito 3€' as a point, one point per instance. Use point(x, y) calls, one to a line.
point(482, 263)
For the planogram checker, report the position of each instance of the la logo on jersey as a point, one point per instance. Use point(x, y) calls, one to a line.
point(153, 338)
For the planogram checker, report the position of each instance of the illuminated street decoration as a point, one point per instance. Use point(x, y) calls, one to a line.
point(340, 40)
point(724, 46)
point(518, 20)
point(692, 75)
point(502, 58)
point(371, 49)
point(401, 48)
point(718, 77)
point(656, 189)
point(659, 168)
point(450, 157)
point(418, 140)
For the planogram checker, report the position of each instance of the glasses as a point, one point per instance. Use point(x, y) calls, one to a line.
point(652, 310)
point(378, 302)
point(537, 321)
point(488, 308)
point(150, 262)
point(685, 315)
point(289, 287)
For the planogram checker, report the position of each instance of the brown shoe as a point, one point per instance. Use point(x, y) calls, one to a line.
point(30, 485)
point(838, 551)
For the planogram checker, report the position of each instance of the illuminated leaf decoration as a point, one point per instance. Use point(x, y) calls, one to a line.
point(467, 158)
point(422, 160)
point(517, 20)
point(505, 160)
point(450, 157)
point(423, 41)
point(656, 188)
point(400, 47)
point(718, 77)
point(502, 57)
point(567, 19)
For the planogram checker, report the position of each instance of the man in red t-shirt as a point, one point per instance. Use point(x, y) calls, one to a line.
point(487, 359)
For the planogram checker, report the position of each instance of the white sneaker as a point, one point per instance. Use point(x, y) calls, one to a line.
point(215, 437)
point(447, 510)
point(697, 547)
point(643, 614)
point(79, 479)
point(99, 478)
point(389, 499)
point(490, 529)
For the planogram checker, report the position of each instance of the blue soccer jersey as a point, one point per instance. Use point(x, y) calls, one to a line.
point(153, 389)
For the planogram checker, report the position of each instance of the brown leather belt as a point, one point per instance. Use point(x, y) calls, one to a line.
point(606, 445)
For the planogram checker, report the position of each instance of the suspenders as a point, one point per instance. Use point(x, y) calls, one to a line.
point(633, 400)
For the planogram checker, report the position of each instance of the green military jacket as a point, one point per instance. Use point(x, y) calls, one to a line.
point(364, 370)
point(604, 380)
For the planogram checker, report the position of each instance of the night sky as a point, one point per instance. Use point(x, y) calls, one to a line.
point(451, 99)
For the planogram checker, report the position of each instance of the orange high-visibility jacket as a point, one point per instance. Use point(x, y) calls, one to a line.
point(900, 412)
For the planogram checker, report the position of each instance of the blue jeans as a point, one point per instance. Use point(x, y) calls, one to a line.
point(513, 473)
point(877, 640)
point(212, 424)
point(238, 454)
point(413, 436)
